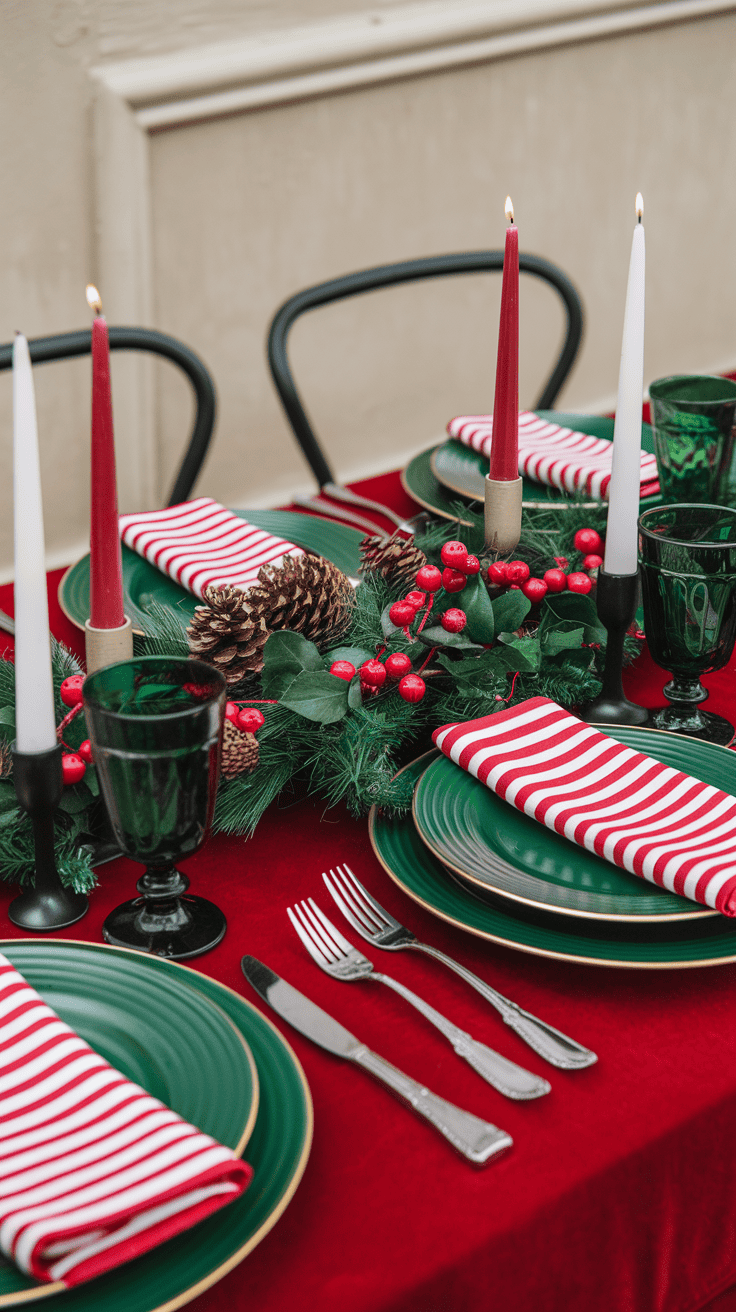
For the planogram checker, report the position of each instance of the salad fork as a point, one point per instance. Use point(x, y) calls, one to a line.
point(333, 954)
point(375, 925)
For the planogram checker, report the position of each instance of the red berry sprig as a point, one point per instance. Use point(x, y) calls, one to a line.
point(343, 670)
point(454, 620)
point(71, 690)
point(412, 688)
point(72, 768)
point(397, 665)
point(577, 582)
point(373, 673)
point(587, 540)
point(250, 719)
point(556, 580)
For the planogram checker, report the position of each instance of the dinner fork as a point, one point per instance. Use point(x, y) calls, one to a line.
point(332, 952)
point(375, 925)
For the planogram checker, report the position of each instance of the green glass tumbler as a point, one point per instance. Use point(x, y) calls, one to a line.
point(155, 725)
point(688, 572)
point(693, 419)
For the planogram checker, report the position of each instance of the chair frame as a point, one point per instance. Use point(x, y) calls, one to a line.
point(389, 275)
point(64, 346)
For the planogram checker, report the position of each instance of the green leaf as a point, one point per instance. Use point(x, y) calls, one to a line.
point(8, 799)
point(582, 659)
point(439, 637)
point(355, 696)
point(91, 780)
point(317, 695)
point(75, 798)
point(510, 610)
point(356, 656)
point(478, 671)
point(564, 636)
point(526, 652)
point(476, 603)
point(285, 656)
point(573, 606)
point(7, 717)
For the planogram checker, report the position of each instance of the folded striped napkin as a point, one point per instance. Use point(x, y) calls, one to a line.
point(641, 815)
point(200, 543)
point(558, 457)
point(93, 1171)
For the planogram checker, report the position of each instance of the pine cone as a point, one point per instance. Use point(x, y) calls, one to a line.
point(227, 633)
point(306, 594)
point(395, 559)
point(239, 752)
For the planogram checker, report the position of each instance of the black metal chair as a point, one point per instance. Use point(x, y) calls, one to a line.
point(64, 346)
point(388, 275)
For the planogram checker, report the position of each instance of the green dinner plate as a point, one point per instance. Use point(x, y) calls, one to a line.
point(672, 946)
point(142, 582)
point(117, 1000)
point(502, 852)
point(451, 472)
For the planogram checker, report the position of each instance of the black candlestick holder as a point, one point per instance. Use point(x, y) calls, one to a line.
point(47, 905)
point(616, 598)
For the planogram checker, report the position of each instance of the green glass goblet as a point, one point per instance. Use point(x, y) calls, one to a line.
point(693, 418)
point(155, 725)
point(688, 573)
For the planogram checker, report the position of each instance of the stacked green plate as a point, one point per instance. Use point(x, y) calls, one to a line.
point(206, 1052)
point(478, 863)
point(443, 477)
point(144, 583)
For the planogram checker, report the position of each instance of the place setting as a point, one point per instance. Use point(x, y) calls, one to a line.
point(457, 682)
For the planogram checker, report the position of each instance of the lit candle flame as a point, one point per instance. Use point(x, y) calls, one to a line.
point(509, 210)
point(93, 298)
point(639, 207)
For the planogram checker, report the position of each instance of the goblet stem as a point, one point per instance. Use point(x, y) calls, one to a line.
point(162, 920)
point(688, 691)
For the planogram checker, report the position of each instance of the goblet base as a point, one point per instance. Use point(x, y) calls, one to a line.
point(692, 722)
point(44, 911)
point(189, 928)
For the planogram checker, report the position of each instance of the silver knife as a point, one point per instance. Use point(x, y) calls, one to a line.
point(477, 1140)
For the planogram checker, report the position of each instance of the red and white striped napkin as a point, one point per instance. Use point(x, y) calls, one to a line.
point(200, 543)
point(558, 457)
point(645, 817)
point(93, 1171)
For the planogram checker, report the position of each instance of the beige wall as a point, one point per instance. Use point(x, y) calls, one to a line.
point(243, 209)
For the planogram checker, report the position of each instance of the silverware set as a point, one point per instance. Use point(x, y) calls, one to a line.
point(477, 1140)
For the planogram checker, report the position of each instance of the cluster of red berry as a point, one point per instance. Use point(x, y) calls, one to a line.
point(246, 718)
point(74, 764)
point(517, 574)
point(459, 567)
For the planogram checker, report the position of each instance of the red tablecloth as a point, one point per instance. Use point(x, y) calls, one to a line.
point(619, 1193)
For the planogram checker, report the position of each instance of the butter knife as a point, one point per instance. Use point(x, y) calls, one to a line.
point(477, 1140)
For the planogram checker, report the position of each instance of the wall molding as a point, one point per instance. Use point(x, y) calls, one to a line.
point(138, 97)
point(366, 49)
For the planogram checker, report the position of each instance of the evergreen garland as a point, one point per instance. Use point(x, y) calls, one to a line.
point(339, 747)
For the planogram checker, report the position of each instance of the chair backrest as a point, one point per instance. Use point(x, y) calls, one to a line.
point(388, 275)
point(63, 346)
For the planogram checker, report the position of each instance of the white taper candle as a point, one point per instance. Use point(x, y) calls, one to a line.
point(35, 723)
point(621, 553)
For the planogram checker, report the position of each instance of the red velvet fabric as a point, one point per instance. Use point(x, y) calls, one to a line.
point(618, 1194)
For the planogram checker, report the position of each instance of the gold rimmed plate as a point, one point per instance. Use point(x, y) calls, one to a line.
point(672, 946)
point(450, 474)
point(501, 852)
point(94, 987)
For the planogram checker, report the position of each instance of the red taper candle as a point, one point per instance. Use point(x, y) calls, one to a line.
point(106, 570)
point(505, 441)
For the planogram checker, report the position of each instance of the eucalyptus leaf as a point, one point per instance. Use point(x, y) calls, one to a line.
point(7, 716)
point(286, 655)
point(8, 799)
point(356, 656)
point(439, 637)
point(525, 654)
point(91, 780)
point(564, 636)
point(474, 600)
point(477, 671)
point(355, 696)
point(75, 798)
point(575, 606)
point(510, 610)
point(317, 695)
